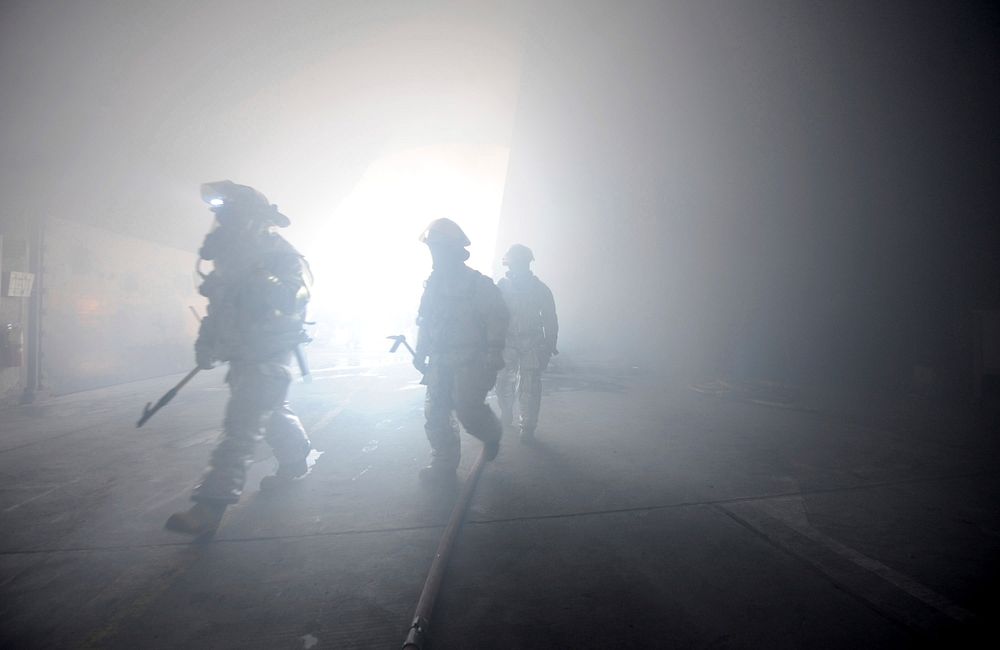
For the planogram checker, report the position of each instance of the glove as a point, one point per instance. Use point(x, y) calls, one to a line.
point(203, 357)
point(205, 345)
point(420, 363)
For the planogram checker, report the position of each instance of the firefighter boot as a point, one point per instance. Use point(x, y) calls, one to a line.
point(441, 471)
point(201, 519)
point(291, 467)
point(286, 474)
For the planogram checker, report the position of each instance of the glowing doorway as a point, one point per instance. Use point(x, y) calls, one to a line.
point(368, 263)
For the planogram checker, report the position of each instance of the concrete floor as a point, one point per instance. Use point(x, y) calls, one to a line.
point(644, 517)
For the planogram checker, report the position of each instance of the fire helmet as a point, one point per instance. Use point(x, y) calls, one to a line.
point(444, 231)
point(227, 195)
point(518, 253)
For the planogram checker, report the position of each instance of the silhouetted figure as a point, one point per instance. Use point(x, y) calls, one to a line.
point(463, 326)
point(531, 340)
point(257, 298)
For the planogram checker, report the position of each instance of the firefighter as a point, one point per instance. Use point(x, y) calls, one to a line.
point(257, 295)
point(531, 341)
point(462, 329)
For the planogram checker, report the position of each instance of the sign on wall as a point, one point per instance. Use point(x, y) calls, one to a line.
point(19, 284)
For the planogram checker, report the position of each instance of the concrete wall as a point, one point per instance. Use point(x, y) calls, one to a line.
point(797, 191)
point(115, 308)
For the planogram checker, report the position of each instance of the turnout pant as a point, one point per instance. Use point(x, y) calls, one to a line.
point(520, 380)
point(458, 390)
point(257, 400)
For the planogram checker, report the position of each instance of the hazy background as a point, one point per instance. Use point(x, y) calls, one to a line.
point(803, 192)
point(362, 121)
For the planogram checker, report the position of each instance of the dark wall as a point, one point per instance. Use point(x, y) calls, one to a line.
point(798, 191)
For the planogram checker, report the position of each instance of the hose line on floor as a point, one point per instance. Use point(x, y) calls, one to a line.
point(425, 606)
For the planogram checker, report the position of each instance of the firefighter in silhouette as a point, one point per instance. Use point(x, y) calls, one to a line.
point(257, 297)
point(462, 328)
point(531, 341)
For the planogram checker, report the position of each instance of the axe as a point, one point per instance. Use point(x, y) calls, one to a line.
point(398, 341)
point(150, 409)
point(401, 340)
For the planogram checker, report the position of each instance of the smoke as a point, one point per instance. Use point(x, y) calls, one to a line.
point(794, 191)
point(362, 121)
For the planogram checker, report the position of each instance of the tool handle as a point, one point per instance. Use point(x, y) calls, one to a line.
point(300, 358)
point(148, 412)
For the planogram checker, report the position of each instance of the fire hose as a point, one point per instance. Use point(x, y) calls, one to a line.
point(432, 585)
point(425, 606)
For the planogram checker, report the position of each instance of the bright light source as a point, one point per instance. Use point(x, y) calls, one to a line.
point(216, 202)
point(369, 265)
